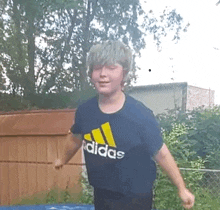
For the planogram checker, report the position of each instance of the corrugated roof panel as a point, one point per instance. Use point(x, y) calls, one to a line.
point(158, 86)
point(51, 122)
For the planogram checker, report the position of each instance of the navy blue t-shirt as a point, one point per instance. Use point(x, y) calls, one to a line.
point(119, 147)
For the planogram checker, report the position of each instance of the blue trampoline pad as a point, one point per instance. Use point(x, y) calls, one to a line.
point(50, 207)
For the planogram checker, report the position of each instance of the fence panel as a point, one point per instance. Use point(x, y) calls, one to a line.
point(210, 180)
point(203, 183)
point(26, 167)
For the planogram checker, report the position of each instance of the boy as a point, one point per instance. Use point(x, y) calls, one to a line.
point(121, 138)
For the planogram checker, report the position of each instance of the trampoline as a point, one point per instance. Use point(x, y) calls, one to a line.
point(50, 207)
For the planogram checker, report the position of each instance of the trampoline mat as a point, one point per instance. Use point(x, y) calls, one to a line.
point(50, 207)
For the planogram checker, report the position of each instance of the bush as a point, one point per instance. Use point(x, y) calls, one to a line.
point(203, 131)
point(166, 194)
point(54, 196)
point(87, 193)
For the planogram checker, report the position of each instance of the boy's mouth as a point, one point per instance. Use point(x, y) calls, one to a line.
point(103, 82)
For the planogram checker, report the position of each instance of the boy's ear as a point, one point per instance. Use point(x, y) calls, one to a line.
point(91, 80)
point(93, 84)
point(123, 82)
point(125, 75)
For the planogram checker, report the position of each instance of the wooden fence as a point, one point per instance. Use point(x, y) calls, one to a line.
point(26, 166)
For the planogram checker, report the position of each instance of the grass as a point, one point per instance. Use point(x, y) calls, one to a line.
point(166, 197)
point(55, 196)
point(59, 196)
point(204, 200)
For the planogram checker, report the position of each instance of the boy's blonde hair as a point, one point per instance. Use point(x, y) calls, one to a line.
point(110, 53)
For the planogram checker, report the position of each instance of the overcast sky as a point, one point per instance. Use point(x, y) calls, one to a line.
point(195, 59)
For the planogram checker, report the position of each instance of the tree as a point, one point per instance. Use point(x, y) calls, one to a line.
point(20, 21)
point(45, 43)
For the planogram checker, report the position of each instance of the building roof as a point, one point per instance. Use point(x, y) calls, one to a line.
point(159, 86)
point(36, 122)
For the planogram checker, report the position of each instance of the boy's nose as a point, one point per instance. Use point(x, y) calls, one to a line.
point(103, 71)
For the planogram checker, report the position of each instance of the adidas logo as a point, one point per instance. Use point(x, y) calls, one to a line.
point(93, 142)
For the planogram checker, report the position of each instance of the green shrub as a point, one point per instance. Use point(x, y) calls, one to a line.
point(203, 131)
point(54, 196)
point(87, 194)
point(166, 194)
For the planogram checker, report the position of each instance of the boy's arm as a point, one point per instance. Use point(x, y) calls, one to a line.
point(72, 145)
point(167, 162)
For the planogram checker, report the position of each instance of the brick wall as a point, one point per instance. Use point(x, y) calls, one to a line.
point(197, 97)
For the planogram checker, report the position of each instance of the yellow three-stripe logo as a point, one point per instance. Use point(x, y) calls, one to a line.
point(99, 138)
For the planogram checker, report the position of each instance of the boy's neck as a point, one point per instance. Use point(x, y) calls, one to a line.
point(111, 100)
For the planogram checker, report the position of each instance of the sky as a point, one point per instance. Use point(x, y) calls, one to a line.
point(195, 59)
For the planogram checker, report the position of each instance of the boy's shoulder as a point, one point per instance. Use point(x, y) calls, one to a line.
point(132, 102)
point(88, 103)
point(139, 111)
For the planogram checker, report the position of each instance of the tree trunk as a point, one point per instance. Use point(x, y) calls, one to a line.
point(20, 54)
point(31, 50)
point(88, 17)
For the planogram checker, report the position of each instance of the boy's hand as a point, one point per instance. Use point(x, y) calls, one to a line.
point(58, 164)
point(187, 197)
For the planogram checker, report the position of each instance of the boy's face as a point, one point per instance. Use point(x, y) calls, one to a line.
point(107, 79)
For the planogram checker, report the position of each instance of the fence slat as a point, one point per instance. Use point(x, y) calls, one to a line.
point(13, 182)
point(41, 149)
point(13, 149)
point(23, 179)
point(4, 184)
point(31, 149)
point(22, 148)
point(41, 178)
point(32, 179)
point(51, 149)
point(51, 180)
point(72, 181)
point(4, 149)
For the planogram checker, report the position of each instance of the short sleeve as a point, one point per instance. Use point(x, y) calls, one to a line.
point(151, 134)
point(76, 127)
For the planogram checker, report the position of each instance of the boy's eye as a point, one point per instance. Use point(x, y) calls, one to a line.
point(112, 67)
point(97, 67)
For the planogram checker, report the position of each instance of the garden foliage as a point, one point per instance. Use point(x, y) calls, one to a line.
point(193, 139)
point(166, 194)
point(203, 131)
